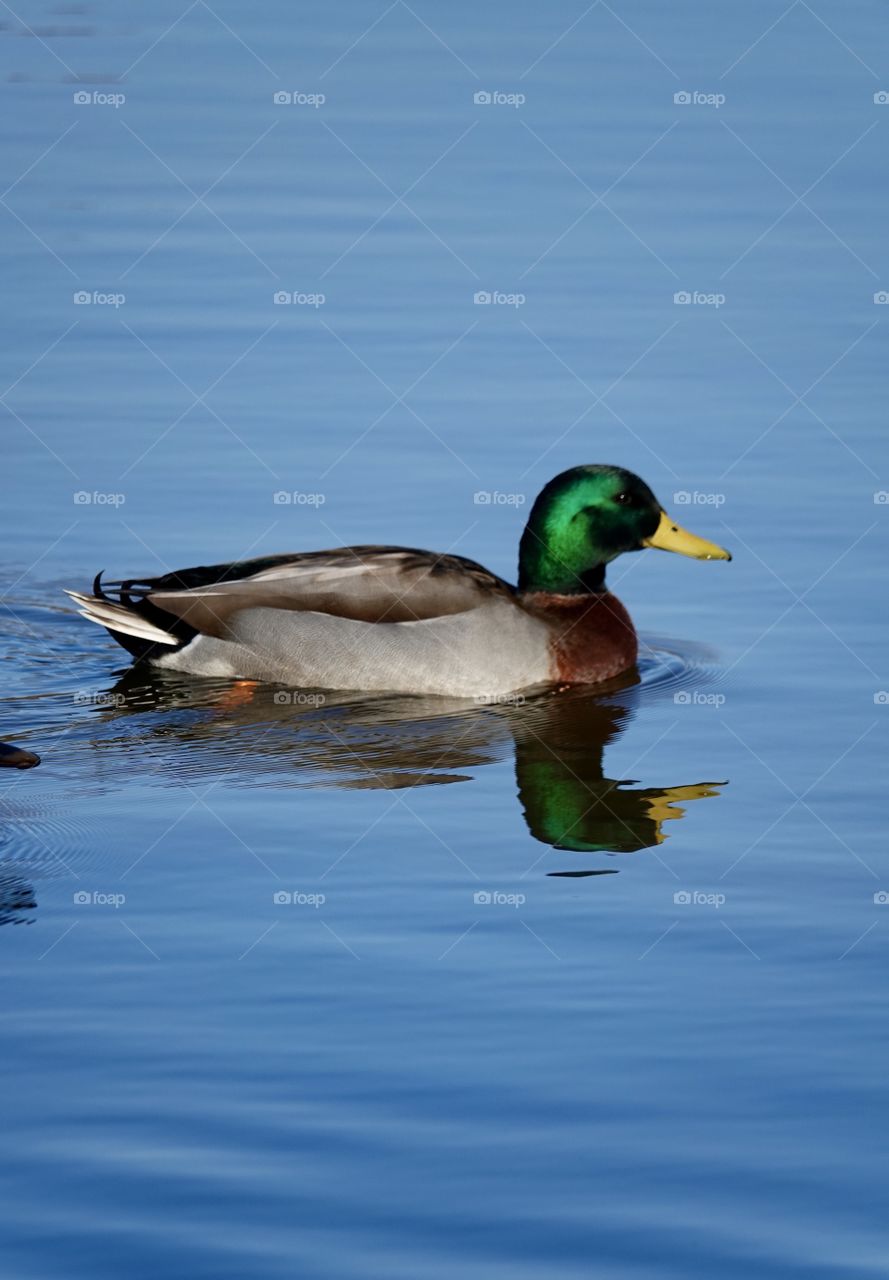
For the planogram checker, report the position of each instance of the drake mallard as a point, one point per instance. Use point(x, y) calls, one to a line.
point(396, 619)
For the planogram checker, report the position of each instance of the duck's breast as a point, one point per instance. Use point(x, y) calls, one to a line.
point(592, 637)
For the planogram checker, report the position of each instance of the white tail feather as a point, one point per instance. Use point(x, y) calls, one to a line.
point(117, 617)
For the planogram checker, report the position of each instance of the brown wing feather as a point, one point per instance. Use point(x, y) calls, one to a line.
point(367, 583)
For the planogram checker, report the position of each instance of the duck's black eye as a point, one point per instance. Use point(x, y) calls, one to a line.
point(625, 499)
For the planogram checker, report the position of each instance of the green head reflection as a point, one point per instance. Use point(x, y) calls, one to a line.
point(568, 801)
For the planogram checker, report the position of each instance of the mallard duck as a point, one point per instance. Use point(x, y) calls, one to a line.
point(382, 618)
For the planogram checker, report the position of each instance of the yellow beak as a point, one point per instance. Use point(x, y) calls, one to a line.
point(670, 537)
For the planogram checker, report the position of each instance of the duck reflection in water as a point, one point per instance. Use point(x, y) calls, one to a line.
point(244, 734)
point(567, 799)
point(371, 741)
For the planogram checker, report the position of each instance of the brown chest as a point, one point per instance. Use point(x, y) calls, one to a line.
point(593, 637)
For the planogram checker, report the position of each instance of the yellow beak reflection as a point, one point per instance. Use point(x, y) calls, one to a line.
point(671, 537)
point(659, 804)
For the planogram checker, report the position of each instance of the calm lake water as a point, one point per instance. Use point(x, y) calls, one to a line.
point(593, 985)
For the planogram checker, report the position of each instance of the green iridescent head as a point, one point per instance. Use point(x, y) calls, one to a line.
point(586, 517)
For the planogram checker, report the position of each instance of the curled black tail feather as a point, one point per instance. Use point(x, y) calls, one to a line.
point(132, 594)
